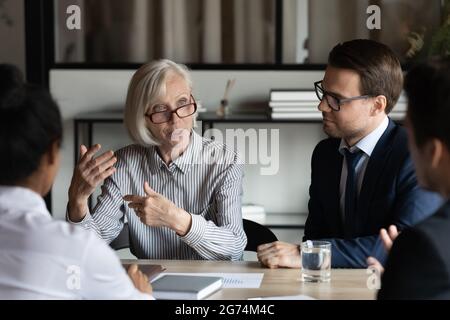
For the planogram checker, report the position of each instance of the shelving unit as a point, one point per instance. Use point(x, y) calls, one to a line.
point(84, 125)
point(287, 222)
point(86, 121)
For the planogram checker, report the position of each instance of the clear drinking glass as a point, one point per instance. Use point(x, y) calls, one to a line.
point(316, 261)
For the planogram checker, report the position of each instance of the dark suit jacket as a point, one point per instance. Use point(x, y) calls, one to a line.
point(418, 266)
point(389, 195)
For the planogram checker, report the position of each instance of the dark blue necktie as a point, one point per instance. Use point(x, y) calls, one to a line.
point(351, 192)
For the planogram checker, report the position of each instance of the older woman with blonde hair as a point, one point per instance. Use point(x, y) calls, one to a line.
point(179, 203)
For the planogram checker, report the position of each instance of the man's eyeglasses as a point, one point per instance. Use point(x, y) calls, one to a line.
point(166, 115)
point(333, 101)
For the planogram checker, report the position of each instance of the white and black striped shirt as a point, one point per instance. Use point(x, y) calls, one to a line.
point(206, 181)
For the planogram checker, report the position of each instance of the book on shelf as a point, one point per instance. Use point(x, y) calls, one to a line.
point(292, 95)
point(293, 104)
point(185, 287)
point(298, 115)
point(397, 115)
point(400, 107)
point(394, 115)
point(298, 109)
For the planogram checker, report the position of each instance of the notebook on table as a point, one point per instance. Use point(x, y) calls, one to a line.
point(150, 270)
point(179, 287)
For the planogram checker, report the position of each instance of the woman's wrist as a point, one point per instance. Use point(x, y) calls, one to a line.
point(182, 222)
point(77, 209)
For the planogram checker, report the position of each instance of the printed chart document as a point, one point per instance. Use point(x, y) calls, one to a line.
point(231, 280)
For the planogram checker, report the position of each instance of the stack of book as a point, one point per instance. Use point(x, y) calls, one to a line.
point(399, 110)
point(303, 104)
point(294, 104)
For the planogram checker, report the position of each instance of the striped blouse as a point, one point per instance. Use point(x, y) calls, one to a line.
point(205, 181)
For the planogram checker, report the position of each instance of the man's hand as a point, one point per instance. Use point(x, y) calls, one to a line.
point(139, 279)
point(279, 254)
point(157, 211)
point(88, 174)
point(374, 263)
point(387, 238)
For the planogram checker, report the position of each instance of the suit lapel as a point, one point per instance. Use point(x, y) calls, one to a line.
point(374, 168)
point(334, 180)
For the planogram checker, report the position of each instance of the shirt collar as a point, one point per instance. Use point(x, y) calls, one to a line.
point(183, 162)
point(189, 156)
point(14, 198)
point(368, 143)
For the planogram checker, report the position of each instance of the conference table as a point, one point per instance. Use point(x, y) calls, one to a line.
point(345, 284)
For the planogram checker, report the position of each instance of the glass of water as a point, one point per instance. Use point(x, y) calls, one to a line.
point(316, 261)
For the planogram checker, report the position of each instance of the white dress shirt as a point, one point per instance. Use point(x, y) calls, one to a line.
point(366, 145)
point(41, 258)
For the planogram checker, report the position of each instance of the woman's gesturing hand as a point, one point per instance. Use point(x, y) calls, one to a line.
point(157, 211)
point(88, 174)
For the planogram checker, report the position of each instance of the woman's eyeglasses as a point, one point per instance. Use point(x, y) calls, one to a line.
point(166, 115)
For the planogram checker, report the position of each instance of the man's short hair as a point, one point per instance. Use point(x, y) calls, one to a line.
point(427, 87)
point(378, 67)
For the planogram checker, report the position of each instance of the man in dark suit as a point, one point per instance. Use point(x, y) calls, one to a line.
point(362, 176)
point(418, 266)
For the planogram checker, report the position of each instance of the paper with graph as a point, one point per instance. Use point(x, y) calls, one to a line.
point(230, 280)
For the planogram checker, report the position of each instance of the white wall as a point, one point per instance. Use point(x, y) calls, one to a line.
point(87, 90)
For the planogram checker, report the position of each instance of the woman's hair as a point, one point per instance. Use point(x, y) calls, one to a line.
point(30, 122)
point(147, 85)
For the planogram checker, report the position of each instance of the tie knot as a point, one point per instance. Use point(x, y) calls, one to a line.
point(352, 158)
